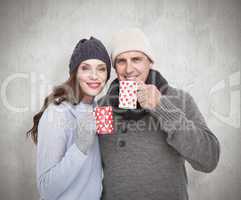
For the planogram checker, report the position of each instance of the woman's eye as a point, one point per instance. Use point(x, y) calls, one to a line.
point(84, 68)
point(103, 69)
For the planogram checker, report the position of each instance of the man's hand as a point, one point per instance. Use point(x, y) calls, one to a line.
point(148, 96)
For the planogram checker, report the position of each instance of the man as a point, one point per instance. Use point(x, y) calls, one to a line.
point(144, 158)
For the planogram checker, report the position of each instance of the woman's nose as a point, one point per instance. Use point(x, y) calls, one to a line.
point(93, 75)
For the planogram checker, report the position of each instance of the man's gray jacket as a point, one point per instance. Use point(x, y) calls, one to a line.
point(145, 159)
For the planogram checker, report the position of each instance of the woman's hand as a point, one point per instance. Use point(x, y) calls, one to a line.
point(86, 131)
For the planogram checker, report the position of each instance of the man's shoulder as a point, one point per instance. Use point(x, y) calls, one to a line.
point(172, 91)
point(178, 95)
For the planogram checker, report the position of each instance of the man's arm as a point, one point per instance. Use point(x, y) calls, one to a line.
point(188, 133)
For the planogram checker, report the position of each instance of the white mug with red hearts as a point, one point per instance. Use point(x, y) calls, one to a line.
point(128, 94)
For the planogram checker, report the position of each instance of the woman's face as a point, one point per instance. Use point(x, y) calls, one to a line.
point(92, 75)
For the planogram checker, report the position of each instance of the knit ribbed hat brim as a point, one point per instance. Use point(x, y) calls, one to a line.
point(130, 40)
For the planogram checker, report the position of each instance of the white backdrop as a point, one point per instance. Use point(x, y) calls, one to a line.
point(197, 47)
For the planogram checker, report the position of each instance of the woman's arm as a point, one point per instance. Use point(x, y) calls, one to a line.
point(57, 166)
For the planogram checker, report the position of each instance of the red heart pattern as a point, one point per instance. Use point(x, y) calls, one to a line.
point(128, 94)
point(104, 120)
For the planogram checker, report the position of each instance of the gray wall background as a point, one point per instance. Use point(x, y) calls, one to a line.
point(197, 46)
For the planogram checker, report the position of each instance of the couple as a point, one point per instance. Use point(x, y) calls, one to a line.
point(144, 158)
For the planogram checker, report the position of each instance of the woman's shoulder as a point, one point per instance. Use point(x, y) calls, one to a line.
point(57, 120)
point(66, 111)
point(63, 112)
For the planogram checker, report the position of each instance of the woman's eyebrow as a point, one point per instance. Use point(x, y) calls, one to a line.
point(83, 63)
point(101, 65)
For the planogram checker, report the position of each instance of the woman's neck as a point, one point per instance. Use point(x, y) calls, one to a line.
point(87, 99)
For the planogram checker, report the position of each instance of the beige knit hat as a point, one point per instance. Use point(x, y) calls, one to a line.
point(132, 39)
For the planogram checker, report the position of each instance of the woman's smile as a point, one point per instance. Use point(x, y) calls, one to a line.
point(94, 85)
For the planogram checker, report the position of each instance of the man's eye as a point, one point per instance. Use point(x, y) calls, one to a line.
point(137, 59)
point(120, 62)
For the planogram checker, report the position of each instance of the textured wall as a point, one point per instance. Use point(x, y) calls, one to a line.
point(197, 46)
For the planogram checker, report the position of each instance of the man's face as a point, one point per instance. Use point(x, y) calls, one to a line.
point(132, 65)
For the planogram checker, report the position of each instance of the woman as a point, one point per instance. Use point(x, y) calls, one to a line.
point(68, 156)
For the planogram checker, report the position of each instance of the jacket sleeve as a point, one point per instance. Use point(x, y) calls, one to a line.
point(57, 166)
point(188, 133)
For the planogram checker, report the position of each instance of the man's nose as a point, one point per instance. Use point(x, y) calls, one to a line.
point(129, 67)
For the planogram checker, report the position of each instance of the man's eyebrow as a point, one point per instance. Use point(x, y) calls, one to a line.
point(120, 59)
point(137, 57)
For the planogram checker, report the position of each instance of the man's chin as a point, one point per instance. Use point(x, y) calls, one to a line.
point(128, 79)
point(131, 79)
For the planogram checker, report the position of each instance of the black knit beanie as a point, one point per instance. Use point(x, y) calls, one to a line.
point(89, 49)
